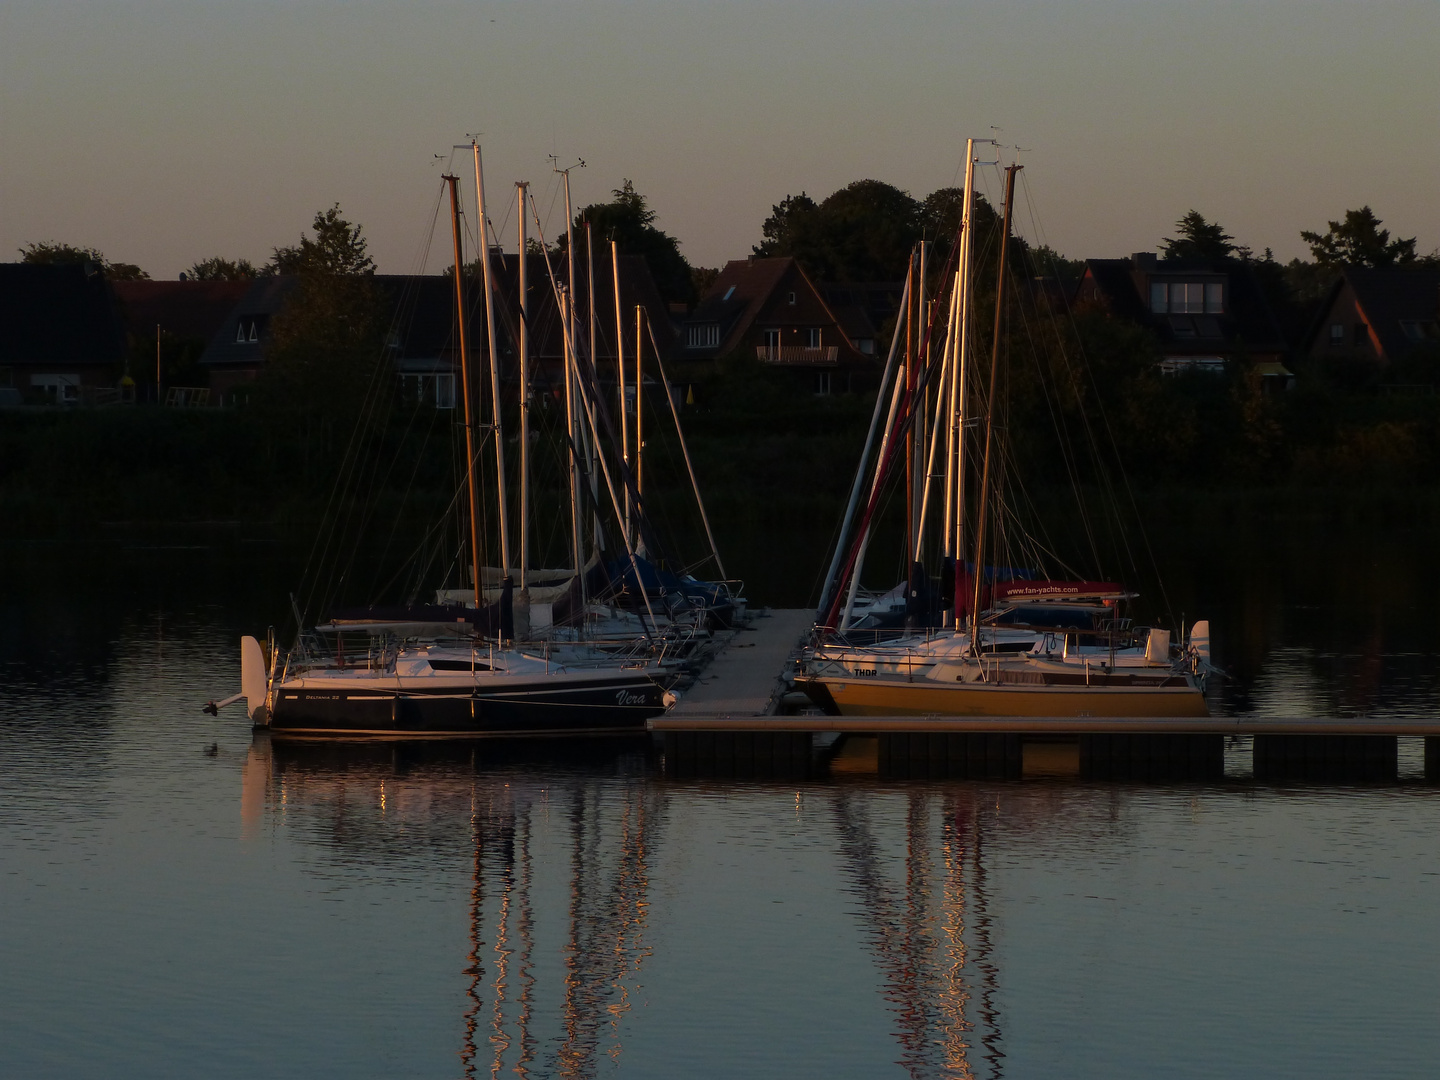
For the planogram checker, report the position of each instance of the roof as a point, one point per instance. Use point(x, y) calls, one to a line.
point(745, 287)
point(1123, 285)
point(58, 315)
point(236, 341)
point(186, 309)
point(1387, 298)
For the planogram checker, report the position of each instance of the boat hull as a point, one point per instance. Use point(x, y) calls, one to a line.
point(558, 705)
point(860, 697)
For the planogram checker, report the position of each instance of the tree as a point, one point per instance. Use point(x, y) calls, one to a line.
point(50, 253)
point(629, 221)
point(338, 248)
point(1359, 241)
point(326, 346)
point(218, 269)
point(863, 232)
point(1200, 240)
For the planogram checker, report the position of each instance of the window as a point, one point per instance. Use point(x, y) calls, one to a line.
point(1420, 329)
point(1157, 297)
point(1337, 333)
point(728, 293)
point(792, 298)
point(812, 338)
point(437, 391)
point(703, 336)
point(822, 384)
point(240, 333)
point(1187, 297)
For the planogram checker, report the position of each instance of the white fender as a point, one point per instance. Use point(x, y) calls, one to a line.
point(252, 679)
point(1200, 640)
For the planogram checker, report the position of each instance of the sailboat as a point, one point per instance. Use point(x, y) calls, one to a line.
point(989, 640)
point(466, 669)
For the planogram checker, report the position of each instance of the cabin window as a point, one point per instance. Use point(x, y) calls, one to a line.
point(703, 336)
point(812, 338)
point(1337, 333)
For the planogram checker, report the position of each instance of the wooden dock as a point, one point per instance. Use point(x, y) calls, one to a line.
point(726, 726)
point(743, 680)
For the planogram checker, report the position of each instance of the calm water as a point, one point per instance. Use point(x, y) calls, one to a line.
point(182, 899)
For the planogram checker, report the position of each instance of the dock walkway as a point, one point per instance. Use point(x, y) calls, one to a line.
point(744, 678)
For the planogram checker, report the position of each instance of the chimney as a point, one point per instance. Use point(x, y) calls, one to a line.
point(1145, 261)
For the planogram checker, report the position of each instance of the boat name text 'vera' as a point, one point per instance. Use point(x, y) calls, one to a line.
point(629, 697)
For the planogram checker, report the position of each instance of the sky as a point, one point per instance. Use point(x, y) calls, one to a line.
point(167, 131)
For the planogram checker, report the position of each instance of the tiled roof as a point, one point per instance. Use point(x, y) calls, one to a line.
point(186, 309)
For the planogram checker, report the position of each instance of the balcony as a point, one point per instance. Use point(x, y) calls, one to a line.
point(798, 355)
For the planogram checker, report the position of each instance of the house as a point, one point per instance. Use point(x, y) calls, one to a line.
point(184, 315)
point(1376, 316)
point(421, 331)
point(770, 306)
point(1201, 313)
point(64, 340)
point(237, 350)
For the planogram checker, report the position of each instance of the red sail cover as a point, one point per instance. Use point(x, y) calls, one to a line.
point(1057, 590)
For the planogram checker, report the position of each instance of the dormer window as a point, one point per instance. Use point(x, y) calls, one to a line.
point(703, 336)
point(240, 333)
point(1187, 297)
point(254, 330)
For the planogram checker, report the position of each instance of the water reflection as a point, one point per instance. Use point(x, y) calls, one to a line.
point(558, 860)
point(927, 923)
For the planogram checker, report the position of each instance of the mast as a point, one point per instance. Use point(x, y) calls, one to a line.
point(571, 361)
point(494, 368)
point(639, 410)
point(521, 187)
point(465, 388)
point(620, 372)
point(1010, 172)
point(594, 465)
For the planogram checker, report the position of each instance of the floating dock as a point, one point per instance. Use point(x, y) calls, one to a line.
point(727, 726)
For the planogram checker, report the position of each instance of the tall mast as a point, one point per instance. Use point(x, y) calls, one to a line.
point(912, 406)
point(594, 465)
point(571, 362)
point(1010, 172)
point(955, 436)
point(620, 372)
point(521, 187)
point(465, 388)
point(639, 409)
point(499, 432)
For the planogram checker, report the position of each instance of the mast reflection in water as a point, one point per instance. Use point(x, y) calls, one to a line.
point(409, 806)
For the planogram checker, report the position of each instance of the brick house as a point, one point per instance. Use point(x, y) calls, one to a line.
point(64, 340)
point(770, 309)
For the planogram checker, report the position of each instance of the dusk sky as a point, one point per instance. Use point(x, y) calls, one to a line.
point(166, 131)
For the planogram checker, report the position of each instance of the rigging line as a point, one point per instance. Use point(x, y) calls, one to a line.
point(321, 542)
point(1057, 419)
point(1124, 475)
